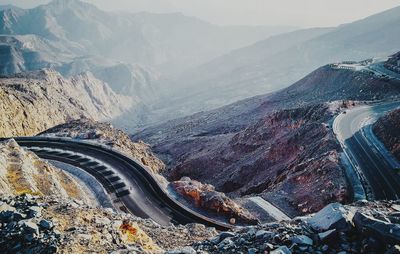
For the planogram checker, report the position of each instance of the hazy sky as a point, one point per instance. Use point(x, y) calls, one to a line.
point(303, 13)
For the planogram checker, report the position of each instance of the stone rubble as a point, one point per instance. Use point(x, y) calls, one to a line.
point(363, 227)
point(32, 224)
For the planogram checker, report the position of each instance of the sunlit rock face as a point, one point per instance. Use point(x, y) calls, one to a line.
point(22, 172)
point(35, 101)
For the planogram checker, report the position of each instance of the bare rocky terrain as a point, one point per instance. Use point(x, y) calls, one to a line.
point(35, 101)
point(22, 172)
point(363, 227)
point(34, 224)
point(271, 145)
point(54, 225)
point(388, 131)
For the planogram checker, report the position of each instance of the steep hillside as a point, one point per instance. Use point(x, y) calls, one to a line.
point(387, 130)
point(22, 172)
point(271, 145)
point(276, 62)
point(21, 53)
point(33, 102)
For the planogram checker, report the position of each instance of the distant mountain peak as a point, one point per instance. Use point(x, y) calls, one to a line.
point(66, 4)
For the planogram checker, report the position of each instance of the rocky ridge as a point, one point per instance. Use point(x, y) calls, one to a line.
point(106, 134)
point(35, 101)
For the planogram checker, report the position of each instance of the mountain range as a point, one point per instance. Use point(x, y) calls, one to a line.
point(158, 40)
point(128, 51)
point(277, 62)
point(279, 145)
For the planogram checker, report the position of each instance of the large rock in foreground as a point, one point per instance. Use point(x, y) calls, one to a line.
point(333, 216)
point(69, 226)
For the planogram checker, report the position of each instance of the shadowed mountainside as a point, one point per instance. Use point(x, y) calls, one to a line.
point(277, 145)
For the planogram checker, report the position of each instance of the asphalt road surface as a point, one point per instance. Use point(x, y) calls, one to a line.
point(123, 178)
point(380, 176)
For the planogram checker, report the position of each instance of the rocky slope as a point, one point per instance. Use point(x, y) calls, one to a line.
point(31, 224)
point(33, 102)
point(49, 225)
point(105, 133)
point(272, 145)
point(362, 227)
point(387, 130)
point(23, 172)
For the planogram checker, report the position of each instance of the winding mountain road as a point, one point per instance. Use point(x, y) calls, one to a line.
point(132, 187)
point(374, 165)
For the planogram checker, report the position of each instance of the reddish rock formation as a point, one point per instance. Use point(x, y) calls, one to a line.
point(288, 157)
point(204, 196)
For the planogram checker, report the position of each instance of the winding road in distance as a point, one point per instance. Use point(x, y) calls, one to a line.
point(375, 166)
point(131, 186)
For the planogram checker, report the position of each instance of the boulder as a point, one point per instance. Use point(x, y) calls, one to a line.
point(29, 226)
point(302, 240)
point(184, 250)
point(6, 212)
point(252, 251)
point(35, 211)
point(262, 234)
point(102, 221)
point(333, 216)
point(206, 197)
point(225, 234)
point(281, 250)
point(327, 235)
point(5, 207)
point(46, 224)
point(384, 231)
